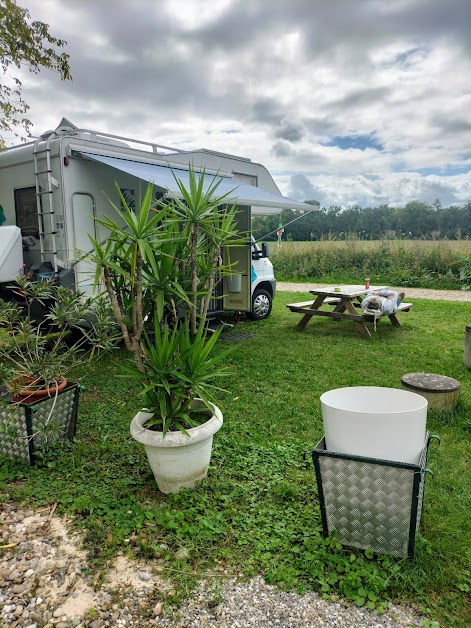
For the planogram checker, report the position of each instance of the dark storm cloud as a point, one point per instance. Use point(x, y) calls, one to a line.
point(321, 126)
point(151, 69)
point(359, 98)
point(131, 26)
point(326, 23)
point(289, 131)
point(143, 68)
point(449, 124)
point(281, 149)
point(267, 110)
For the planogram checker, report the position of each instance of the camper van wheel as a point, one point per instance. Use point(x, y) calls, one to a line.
point(261, 305)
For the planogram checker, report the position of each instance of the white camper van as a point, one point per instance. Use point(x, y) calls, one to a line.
point(51, 190)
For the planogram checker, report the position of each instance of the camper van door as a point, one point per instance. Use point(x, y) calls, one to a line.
point(237, 286)
point(83, 212)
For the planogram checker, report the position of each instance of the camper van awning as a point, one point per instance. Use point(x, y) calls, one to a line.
point(263, 202)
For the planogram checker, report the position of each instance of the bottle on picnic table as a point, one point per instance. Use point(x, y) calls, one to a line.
point(367, 283)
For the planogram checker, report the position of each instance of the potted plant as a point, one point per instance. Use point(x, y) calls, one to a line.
point(39, 403)
point(162, 265)
point(179, 418)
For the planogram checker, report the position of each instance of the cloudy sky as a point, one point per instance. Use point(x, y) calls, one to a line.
point(345, 101)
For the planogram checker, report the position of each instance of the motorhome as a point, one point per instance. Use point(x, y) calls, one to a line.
point(51, 190)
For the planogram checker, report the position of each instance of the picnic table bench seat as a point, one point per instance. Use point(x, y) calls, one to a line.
point(302, 305)
point(294, 307)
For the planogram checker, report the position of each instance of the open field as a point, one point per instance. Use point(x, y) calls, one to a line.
point(462, 247)
point(258, 510)
point(419, 263)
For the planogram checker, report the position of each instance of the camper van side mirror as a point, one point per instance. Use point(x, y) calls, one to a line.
point(265, 252)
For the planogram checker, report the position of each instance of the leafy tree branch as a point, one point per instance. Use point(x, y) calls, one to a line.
point(24, 43)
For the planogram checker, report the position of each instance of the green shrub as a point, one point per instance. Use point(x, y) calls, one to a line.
point(395, 262)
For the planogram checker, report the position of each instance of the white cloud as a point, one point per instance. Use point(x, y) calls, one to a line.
point(277, 82)
point(395, 189)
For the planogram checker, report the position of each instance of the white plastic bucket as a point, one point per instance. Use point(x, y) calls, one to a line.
point(376, 422)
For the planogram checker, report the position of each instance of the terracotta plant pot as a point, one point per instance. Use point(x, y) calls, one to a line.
point(30, 394)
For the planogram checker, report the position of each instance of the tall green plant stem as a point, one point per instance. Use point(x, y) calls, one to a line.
point(194, 276)
point(211, 283)
point(131, 340)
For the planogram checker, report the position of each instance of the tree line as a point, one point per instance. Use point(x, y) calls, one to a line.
point(416, 220)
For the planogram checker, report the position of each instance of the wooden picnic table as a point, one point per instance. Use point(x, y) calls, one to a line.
point(341, 303)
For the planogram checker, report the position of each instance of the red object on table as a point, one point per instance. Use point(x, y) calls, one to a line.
point(367, 283)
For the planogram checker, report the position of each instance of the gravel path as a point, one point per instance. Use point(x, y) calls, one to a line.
point(45, 582)
point(254, 603)
point(412, 293)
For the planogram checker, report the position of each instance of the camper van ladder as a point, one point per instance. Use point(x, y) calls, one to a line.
point(47, 208)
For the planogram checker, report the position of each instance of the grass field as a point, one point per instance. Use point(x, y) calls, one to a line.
point(258, 510)
point(462, 247)
point(417, 263)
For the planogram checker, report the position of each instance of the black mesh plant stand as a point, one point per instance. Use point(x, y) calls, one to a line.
point(371, 503)
point(28, 427)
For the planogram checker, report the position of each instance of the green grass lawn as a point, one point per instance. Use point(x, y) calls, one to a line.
point(258, 511)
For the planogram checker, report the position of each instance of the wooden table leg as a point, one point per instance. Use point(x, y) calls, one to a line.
point(361, 326)
point(315, 306)
point(340, 307)
point(393, 319)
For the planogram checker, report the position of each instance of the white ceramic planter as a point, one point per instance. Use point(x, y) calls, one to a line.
point(177, 460)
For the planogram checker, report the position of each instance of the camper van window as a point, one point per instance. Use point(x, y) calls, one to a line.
point(248, 179)
point(26, 211)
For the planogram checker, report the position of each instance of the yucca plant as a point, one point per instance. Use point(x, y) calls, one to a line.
point(137, 266)
point(161, 264)
point(207, 224)
point(179, 368)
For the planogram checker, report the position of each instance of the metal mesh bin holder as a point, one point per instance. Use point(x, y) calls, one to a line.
point(26, 427)
point(371, 503)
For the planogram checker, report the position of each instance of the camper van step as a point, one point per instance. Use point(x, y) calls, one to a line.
point(46, 192)
point(43, 172)
point(46, 213)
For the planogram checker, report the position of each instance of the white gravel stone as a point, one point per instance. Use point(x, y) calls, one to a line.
point(231, 604)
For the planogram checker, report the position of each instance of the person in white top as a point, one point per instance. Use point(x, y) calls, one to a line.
point(381, 302)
